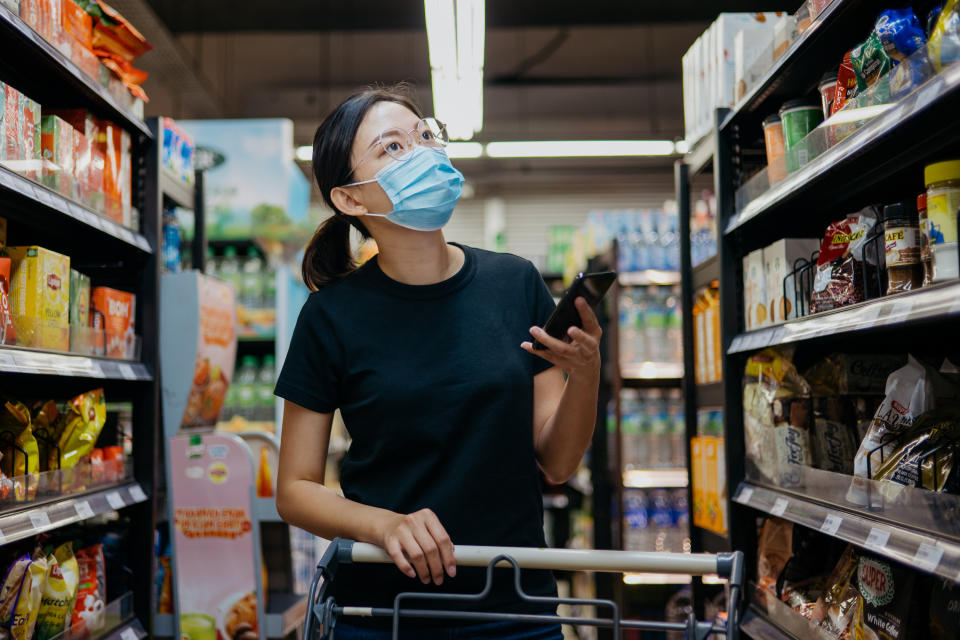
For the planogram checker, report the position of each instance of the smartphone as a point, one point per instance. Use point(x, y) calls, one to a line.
point(591, 287)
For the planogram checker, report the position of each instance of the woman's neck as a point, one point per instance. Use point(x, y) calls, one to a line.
point(420, 258)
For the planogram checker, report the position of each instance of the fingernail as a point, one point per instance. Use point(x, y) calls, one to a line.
point(452, 571)
point(573, 331)
point(535, 330)
point(411, 574)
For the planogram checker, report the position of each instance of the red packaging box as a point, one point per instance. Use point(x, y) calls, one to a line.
point(82, 159)
point(30, 141)
point(12, 124)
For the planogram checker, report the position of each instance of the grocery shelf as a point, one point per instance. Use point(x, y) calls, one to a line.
point(710, 394)
point(756, 625)
point(49, 77)
point(39, 517)
point(821, 46)
point(648, 277)
point(41, 200)
point(866, 157)
point(32, 361)
point(285, 612)
point(655, 478)
point(932, 303)
point(131, 630)
point(700, 158)
point(929, 551)
point(660, 373)
point(706, 272)
point(181, 193)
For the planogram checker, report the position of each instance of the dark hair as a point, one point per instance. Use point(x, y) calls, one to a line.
point(328, 257)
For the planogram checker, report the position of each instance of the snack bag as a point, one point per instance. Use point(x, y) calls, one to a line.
point(777, 417)
point(944, 610)
point(82, 423)
point(11, 589)
point(91, 589)
point(835, 609)
point(59, 593)
point(900, 33)
point(838, 280)
point(28, 601)
point(884, 599)
point(774, 548)
point(927, 457)
point(870, 62)
point(113, 312)
point(909, 393)
point(943, 46)
point(24, 460)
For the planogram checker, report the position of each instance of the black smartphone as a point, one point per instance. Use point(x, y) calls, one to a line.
point(590, 286)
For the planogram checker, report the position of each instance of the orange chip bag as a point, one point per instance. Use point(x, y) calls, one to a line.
point(113, 312)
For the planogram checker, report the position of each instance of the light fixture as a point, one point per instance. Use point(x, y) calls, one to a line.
point(464, 149)
point(455, 37)
point(304, 153)
point(580, 148)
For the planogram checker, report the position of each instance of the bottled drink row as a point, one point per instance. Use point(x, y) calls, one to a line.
point(650, 325)
point(656, 520)
point(253, 280)
point(251, 394)
point(652, 429)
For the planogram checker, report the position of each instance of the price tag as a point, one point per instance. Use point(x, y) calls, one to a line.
point(6, 360)
point(128, 634)
point(780, 506)
point(137, 494)
point(39, 519)
point(96, 370)
point(735, 344)
point(5, 179)
point(831, 524)
point(928, 556)
point(745, 495)
point(901, 310)
point(877, 540)
point(869, 315)
point(115, 500)
point(127, 372)
point(95, 221)
point(776, 337)
point(84, 511)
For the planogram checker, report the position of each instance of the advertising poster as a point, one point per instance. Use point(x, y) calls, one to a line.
point(214, 539)
point(216, 353)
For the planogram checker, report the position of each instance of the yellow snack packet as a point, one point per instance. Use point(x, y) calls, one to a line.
point(84, 419)
point(28, 604)
point(11, 589)
point(25, 457)
point(59, 593)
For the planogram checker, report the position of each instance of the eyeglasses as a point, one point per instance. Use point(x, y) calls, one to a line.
point(398, 143)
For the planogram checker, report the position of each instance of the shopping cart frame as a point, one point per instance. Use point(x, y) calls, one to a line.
point(323, 612)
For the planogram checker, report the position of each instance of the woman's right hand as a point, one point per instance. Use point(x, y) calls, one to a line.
point(419, 545)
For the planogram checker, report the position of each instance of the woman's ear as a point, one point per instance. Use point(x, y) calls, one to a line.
point(345, 201)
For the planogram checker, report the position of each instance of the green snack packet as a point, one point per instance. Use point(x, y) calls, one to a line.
point(870, 62)
point(79, 299)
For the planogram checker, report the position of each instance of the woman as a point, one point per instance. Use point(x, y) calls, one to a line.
point(450, 414)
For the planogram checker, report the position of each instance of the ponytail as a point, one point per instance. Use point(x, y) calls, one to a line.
point(329, 256)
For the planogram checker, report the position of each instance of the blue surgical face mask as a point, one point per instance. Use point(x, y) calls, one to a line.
point(424, 188)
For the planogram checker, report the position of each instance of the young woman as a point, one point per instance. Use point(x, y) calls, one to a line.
point(426, 350)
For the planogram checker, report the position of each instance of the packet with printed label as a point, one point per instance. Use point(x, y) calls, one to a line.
point(59, 594)
point(113, 312)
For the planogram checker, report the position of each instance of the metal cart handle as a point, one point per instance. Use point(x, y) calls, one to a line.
point(322, 611)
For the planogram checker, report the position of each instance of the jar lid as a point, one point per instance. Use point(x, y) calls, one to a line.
point(830, 77)
point(941, 172)
point(903, 212)
point(800, 103)
point(773, 118)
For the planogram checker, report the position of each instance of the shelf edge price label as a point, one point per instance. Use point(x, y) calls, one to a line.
point(780, 506)
point(115, 500)
point(137, 494)
point(6, 360)
point(129, 634)
point(84, 511)
point(877, 540)
point(127, 372)
point(831, 524)
point(39, 519)
point(928, 556)
point(745, 495)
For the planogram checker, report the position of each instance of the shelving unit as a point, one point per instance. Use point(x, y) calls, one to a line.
point(113, 256)
point(882, 161)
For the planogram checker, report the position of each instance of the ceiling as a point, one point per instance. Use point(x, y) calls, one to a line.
point(553, 70)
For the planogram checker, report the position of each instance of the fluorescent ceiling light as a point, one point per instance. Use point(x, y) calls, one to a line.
point(304, 153)
point(455, 36)
point(683, 147)
point(464, 149)
point(580, 148)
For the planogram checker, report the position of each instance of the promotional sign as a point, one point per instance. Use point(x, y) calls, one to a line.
point(215, 538)
point(198, 347)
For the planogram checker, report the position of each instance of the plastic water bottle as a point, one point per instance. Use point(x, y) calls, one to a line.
point(674, 327)
point(661, 455)
point(171, 242)
point(250, 280)
point(229, 269)
point(655, 329)
point(630, 424)
point(678, 428)
point(636, 520)
point(266, 378)
point(210, 265)
point(661, 520)
point(246, 381)
point(269, 288)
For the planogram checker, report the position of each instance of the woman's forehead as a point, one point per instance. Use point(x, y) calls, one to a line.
point(383, 116)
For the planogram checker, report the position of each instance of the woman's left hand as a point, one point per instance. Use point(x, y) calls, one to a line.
point(579, 358)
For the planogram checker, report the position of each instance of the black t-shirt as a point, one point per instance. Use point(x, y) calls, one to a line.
point(437, 396)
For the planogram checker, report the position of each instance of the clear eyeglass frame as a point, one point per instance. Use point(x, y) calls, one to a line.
point(398, 143)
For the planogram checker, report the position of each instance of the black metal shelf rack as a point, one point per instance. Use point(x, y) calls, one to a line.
point(113, 256)
point(880, 161)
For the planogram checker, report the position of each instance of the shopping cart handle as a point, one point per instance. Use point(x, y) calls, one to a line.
point(563, 559)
